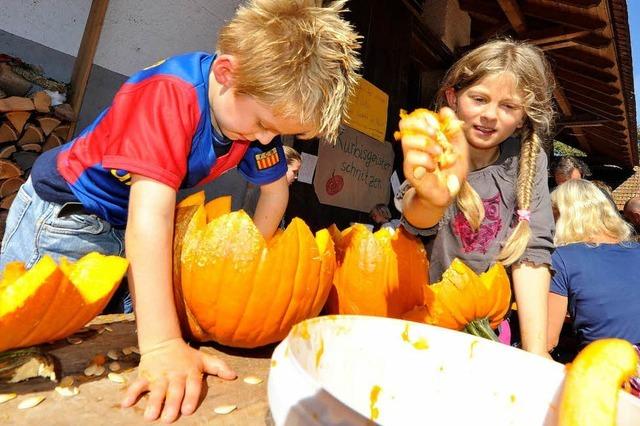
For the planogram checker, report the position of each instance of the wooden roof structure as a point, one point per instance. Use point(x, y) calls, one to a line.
point(589, 47)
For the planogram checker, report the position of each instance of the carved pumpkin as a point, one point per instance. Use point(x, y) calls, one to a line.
point(462, 300)
point(236, 289)
point(382, 273)
point(593, 381)
point(49, 302)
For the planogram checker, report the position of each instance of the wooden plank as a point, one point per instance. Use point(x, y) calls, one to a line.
point(558, 45)
point(514, 15)
point(586, 71)
point(86, 53)
point(553, 34)
point(570, 86)
point(563, 103)
point(569, 18)
point(582, 57)
point(586, 81)
point(99, 399)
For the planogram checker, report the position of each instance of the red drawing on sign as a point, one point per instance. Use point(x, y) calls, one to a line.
point(334, 184)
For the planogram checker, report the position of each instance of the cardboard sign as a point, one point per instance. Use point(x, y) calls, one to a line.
point(368, 110)
point(354, 174)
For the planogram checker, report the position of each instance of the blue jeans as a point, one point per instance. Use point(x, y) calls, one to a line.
point(36, 228)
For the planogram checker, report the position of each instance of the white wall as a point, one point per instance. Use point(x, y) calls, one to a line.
point(136, 33)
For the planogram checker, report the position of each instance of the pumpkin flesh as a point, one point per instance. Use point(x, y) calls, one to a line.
point(382, 273)
point(239, 290)
point(49, 302)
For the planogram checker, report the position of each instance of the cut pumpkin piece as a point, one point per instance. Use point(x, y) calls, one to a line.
point(594, 379)
point(49, 302)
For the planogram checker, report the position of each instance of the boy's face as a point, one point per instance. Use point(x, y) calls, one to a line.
point(242, 117)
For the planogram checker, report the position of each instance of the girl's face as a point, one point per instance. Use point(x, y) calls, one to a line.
point(491, 110)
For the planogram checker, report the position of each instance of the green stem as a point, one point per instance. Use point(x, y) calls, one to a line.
point(481, 328)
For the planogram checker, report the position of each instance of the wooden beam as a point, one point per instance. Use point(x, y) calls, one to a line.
point(596, 111)
point(586, 81)
point(84, 59)
point(594, 40)
point(600, 106)
point(584, 57)
point(586, 71)
point(553, 35)
point(580, 124)
point(558, 45)
point(563, 103)
point(570, 86)
point(606, 100)
point(514, 15)
point(550, 13)
point(585, 4)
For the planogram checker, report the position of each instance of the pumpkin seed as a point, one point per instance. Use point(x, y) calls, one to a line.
point(253, 380)
point(66, 382)
point(224, 409)
point(114, 366)
point(74, 340)
point(117, 378)
point(4, 397)
point(100, 370)
point(130, 350)
point(30, 402)
point(67, 391)
point(113, 354)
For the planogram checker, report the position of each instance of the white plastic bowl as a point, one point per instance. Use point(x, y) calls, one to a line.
point(344, 370)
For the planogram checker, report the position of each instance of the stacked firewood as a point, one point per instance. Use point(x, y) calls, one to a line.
point(29, 125)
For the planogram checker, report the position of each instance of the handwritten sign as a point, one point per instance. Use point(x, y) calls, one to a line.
point(355, 173)
point(368, 110)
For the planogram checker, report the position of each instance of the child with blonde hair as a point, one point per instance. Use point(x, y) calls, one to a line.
point(502, 93)
point(281, 67)
point(596, 262)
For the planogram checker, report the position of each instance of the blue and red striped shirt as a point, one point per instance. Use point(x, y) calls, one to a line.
point(158, 126)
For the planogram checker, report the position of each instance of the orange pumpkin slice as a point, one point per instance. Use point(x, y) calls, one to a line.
point(590, 393)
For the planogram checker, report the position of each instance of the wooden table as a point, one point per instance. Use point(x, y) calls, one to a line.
point(98, 400)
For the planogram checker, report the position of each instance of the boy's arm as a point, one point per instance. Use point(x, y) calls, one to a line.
point(531, 286)
point(169, 369)
point(272, 203)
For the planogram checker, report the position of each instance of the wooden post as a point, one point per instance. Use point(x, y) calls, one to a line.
point(84, 59)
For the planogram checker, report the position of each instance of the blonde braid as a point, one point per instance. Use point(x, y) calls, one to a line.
point(470, 204)
point(517, 242)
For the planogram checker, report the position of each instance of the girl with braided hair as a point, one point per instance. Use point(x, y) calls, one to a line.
point(502, 93)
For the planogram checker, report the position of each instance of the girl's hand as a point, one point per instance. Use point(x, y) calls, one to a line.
point(435, 154)
point(172, 373)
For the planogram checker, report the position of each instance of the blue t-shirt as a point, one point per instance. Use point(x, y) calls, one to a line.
point(602, 284)
point(158, 126)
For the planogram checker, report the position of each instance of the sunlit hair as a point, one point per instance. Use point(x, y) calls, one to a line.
point(291, 155)
point(535, 82)
point(585, 213)
point(297, 57)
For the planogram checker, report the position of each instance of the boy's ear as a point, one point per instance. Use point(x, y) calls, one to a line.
point(452, 99)
point(223, 69)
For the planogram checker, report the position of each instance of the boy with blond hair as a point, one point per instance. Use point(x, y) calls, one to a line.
point(281, 67)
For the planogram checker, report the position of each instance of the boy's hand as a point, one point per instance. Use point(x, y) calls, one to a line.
point(172, 373)
point(434, 181)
